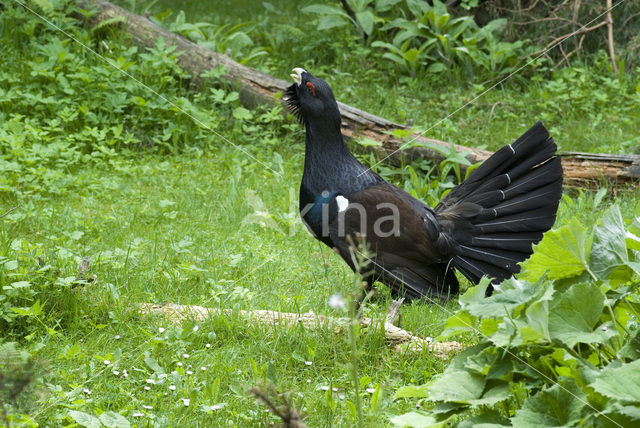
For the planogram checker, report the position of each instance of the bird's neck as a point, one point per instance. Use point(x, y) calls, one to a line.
point(329, 165)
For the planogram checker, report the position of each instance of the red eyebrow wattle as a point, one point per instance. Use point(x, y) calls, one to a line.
point(313, 88)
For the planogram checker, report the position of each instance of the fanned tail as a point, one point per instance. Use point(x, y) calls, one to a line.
point(494, 217)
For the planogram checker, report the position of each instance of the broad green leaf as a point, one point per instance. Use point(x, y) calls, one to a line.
point(152, 363)
point(609, 247)
point(242, 113)
point(509, 298)
point(493, 395)
point(561, 405)
point(458, 386)
point(332, 21)
point(85, 419)
point(631, 350)
point(412, 391)
point(414, 420)
point(365, 19)
point(563, 252)
point(538, 318)
point(436, 67)
point(490, 419)
point(574, 314)
point(114, 420)
point(621, 383)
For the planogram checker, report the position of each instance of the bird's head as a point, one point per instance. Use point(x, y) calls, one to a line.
point(310, 99)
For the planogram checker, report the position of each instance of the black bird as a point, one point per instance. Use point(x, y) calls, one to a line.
point(484, 226)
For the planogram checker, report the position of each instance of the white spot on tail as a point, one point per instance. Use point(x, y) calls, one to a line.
point(342, 202)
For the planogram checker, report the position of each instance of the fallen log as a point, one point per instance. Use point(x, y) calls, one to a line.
point(398, 339)
point(580, 169)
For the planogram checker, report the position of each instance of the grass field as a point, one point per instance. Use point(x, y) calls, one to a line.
point(169, 212)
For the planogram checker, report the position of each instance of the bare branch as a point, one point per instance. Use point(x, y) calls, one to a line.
point(10, 210)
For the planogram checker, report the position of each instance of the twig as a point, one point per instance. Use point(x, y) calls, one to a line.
point(566, 36)
point(290, 416)
point(612, 52)
point(10, 210)
point(394, 312)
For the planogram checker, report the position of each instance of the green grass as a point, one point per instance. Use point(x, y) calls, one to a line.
point(169, 212)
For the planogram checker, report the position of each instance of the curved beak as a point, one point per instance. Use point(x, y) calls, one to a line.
point(297, 74)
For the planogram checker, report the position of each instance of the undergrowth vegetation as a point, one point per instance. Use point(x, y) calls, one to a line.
point(114, 196)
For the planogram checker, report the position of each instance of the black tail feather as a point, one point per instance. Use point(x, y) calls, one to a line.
point(496, 215)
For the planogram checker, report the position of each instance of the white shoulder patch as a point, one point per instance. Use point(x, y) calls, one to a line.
point(342, 202)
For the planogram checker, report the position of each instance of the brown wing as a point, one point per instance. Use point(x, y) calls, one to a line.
point(399, 233)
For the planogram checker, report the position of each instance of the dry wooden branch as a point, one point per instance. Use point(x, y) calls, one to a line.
point(256, 87)
point(399, 339)
point(612, 52)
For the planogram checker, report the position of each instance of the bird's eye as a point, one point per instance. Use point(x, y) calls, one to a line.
point(311, 88)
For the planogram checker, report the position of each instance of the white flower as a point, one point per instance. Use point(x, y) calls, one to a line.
point(308, 380)
point(172, 387)
point(107, 362)
point(308, 363)
point(203, 368)
point(208, 345)
point(186, 402)
point(185, 355)
point(189, 372)
point(138, 415)
point(86, 391)
point(179, 364)
point(161, 329)
point(125, 373)
point(370, 390)
point(334, 389)
point(324, 388)
point(116, 337)
point(146, 388)
point(116, 372)
point(215, 407)
point(341, 396)
point(144, 406)
point(337, 302)
point(151, 381)
point(195, 328)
